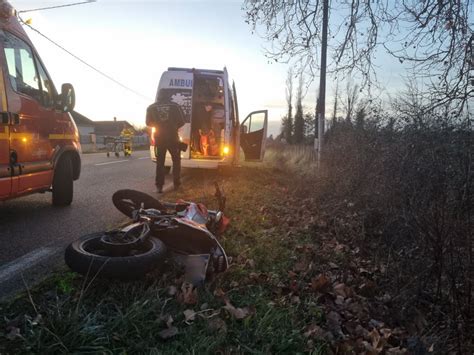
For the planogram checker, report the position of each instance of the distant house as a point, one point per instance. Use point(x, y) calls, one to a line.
point(111, 128)
point(84, 125)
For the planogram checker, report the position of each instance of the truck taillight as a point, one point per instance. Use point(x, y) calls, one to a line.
point(153, 131)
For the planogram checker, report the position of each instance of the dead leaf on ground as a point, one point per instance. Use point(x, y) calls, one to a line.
point(292, 274)
point(168, 332)
point(301, 266)
point(188, 294)
point(319, 283)
point(13, 333)
point(377, 341)
point(167, 319)
point(342, 289)
point(313, 330)
point(189, 315)
point(396, 351)
point(171, 290)
point(250, 263)
point(295, 299)
point(219, 292)
point(234, 284)
point(217, 324)
point(239, 313)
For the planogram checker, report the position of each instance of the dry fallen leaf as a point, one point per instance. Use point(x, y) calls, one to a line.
point(188, 294)
point(167, 319)
point(168, 332)
point(319, 283)
point(313, 330)
point(189, 315)
point(219, 292)
point(172, 290)
point(13, 332)
point(301, 266)
point(217, 324)
point(396, 351)
point(238, 313)
point(377, 341)
point(234, 284)
point(342, 290)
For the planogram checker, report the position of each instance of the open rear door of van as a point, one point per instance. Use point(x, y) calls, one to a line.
point(253, 135)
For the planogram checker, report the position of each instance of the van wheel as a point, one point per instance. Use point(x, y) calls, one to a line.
point(63, 183)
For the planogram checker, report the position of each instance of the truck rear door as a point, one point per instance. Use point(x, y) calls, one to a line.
point(176, 87)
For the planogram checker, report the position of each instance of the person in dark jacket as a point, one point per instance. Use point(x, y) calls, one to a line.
point(166, 119)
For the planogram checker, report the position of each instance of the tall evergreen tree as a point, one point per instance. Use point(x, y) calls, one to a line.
point(287, 123)
point(298, 133)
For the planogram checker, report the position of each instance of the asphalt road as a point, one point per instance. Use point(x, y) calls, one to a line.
point(32, 230)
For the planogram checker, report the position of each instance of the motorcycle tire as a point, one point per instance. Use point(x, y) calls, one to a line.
point(126, 201)
point(86, 257)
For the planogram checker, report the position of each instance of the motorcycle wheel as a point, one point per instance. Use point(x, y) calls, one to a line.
point(87, 256)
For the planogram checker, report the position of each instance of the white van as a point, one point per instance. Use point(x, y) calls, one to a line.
point(215, 139)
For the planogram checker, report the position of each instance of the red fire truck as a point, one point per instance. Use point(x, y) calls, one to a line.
point(39, 141)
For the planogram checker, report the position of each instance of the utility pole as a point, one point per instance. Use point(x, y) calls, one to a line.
point(322, 80)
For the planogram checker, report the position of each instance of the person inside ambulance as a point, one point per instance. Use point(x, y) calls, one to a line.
point(217, 124)
point(201, 126)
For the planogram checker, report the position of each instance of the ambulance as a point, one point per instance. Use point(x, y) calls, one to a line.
point(212, 130)
point(39, 141)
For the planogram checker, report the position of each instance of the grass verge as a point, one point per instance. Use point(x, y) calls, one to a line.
point(292, 287)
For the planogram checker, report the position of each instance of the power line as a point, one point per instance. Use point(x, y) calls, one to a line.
point(85, 63)
point(57, 6)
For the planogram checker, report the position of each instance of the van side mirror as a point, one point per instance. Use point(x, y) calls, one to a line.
point(67, 99)
point(243, 129)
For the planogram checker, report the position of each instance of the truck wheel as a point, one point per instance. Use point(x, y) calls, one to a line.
point(63, 183)
point(88, 257)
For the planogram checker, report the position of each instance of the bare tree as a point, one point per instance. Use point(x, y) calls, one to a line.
point(351, 100)
point(411, 106)
point(335, 107)
point(434, 36)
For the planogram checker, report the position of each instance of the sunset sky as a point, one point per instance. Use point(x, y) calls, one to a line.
point(135, 41)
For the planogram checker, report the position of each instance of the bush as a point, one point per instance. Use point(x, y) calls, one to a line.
point(412, 192)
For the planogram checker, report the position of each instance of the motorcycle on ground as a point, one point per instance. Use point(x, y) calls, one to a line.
point(183, 231)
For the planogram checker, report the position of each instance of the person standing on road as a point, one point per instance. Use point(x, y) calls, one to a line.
point(166, 119)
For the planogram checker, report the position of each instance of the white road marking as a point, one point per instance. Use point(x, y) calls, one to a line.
point(25, 262)
point(144, 158)
point(111, 162)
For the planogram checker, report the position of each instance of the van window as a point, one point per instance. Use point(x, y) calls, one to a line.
point(47, 87)
point(256, 122)
point(21, 66)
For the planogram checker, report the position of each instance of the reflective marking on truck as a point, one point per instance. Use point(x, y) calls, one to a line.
point(62, 136)
point(5, 134)
point(21, 136)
